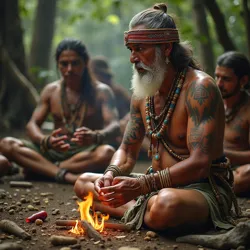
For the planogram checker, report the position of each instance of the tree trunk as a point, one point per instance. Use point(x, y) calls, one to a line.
point(246, 14)
point(16, 103)
point(205, 46)
point(220, 25)
point(43, 34)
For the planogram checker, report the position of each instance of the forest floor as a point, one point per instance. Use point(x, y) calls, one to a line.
point(59, 201)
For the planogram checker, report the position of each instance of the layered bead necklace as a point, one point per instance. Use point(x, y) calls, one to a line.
point(75, 112)
point(157, 124)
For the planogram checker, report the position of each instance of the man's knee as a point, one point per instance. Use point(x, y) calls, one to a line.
point(105, 152)
point(8, 144)
point(163, 211)
point(82, 184)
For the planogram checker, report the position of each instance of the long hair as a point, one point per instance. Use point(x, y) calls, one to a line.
point(236, 61)
point(157, 18)
point(88, 84)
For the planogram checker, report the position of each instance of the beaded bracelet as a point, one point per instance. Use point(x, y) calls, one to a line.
point(164, 176)
point(45, 144)
point(114, 169)
point(99, 138)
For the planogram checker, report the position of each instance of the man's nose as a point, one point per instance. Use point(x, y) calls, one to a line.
point(133, 57)
point(69, 67)
point(219, 82)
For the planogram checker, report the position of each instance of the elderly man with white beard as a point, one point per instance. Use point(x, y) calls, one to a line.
point(180, 109)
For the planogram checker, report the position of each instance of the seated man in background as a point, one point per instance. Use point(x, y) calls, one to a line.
point(5, 165)
point(232, 77)
point(85, 122)
point(101, 69)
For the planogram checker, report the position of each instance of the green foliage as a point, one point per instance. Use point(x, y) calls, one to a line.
point(100, 25)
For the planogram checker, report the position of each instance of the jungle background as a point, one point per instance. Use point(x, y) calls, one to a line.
point(31, 29)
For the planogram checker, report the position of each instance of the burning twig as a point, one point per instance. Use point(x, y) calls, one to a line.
point(62, 240)
point(110, 225)
point(238, 236)
point(90, 231)
point(10, 245)
point(24, 184)
point(11, 227)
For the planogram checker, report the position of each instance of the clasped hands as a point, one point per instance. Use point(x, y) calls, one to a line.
point(115, 192)
point(82, 136)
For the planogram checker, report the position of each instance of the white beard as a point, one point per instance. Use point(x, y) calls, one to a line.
point(148, 83)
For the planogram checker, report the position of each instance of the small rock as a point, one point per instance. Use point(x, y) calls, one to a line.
point(11, 211)
point(151, 234)
point(39, 222)
point(147, 238)
point(65, 248)
point(30, 208)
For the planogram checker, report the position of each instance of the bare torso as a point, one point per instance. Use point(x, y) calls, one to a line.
point(93, 116)
point(176, 135)
point(237, 130)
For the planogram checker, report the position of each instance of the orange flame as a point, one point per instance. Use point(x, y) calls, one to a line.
point(95, 219)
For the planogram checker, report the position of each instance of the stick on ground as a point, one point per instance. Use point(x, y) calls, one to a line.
point(10, 245)
point(238, 236)
point(110, 225)
point(11, 227)
point(24, 184)
point(58, 240)
point(90, 231)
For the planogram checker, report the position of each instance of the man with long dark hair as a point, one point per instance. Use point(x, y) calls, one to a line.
point(180, 109)
point(85, 121)
point(232, 76)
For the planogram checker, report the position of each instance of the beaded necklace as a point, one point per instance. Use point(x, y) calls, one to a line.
point(229, 115)
point(76, 112)
point(157, 125)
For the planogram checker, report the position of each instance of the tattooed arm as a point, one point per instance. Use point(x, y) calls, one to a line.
point(203, 105)
point(125, 157)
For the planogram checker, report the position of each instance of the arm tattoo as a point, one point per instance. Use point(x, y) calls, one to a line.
point(134, 131)
point(197, 140)
point(202, 107)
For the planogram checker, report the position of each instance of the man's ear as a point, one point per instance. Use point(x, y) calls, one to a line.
point(168, 49)
point(244, 80)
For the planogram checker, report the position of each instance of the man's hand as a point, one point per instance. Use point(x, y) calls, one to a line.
point(84, 136)
point(57, 141)
point(122, 190)
point(104, 181)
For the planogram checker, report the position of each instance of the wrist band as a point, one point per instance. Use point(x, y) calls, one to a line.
point(114, 169)
point(99, 138)
point(165, 179)
point(45, 144)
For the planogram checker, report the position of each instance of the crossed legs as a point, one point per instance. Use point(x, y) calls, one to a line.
point(29, 159)
point(169, 208)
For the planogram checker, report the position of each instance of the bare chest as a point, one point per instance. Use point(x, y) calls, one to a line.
point(237, 132)
point(83, 115)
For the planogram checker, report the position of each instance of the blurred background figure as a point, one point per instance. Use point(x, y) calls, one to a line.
point(102, 71)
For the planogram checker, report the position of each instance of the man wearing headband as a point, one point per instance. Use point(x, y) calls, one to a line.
point(180, 109)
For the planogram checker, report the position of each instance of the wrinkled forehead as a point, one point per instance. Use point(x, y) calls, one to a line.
point(151, 36)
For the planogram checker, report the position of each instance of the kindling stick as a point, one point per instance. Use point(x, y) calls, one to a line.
point(110, 225)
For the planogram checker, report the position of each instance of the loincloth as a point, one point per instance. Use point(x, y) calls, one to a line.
point(220, 211)
point(56, 156)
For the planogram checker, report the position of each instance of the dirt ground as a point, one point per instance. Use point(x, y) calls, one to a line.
point(59, 201)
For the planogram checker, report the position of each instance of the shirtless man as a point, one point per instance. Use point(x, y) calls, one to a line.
point(85, 121)
point(180, 108)
point(232, 76)
point(4, 165)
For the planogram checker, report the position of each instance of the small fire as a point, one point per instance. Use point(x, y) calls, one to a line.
point(95, 219)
